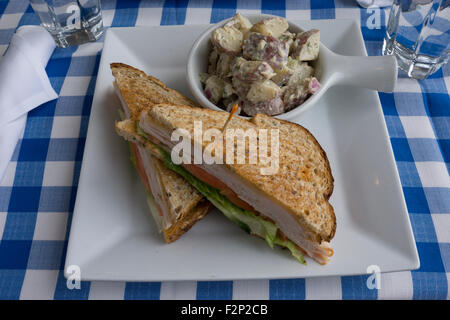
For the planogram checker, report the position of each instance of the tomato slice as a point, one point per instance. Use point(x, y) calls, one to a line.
point(205, 176)
point(233, 197)
point(141, 171)
point(140, 167)
point(213, 181)
point(216, 183)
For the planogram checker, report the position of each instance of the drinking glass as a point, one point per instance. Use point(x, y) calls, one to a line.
point(70, 22)
point(418, 34)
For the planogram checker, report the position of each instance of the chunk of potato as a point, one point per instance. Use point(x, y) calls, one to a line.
point(239, 22)
point(214, 87)
point(251, 70)
point(273, 27)
point(213, 57)
point(266, 48)
point(288, 38)
point(296, 93)
point(241, 87)
point(224, 65)
point(228, 90)
point(293, 71)
point(227, 39)
point(263, 91)
point(306, 45)
point(270, 107)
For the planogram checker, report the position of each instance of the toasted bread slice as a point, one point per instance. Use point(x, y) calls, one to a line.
point(137, 91)
point(183, 225)
point(298, 193)
point(140, 90)
point(183, 200)
point(302, 154)
point(181, 196)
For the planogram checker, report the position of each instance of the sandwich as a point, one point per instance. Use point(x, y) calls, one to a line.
point(174, 203)
point(289, 207)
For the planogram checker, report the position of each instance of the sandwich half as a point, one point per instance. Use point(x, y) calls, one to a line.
point(174, 203)
point(289, 207)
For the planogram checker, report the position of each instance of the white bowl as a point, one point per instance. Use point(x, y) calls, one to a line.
point(377, 73)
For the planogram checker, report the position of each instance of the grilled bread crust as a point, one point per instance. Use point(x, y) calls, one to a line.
point(183, 199)
point(140, 90)
point(181, 196)
point(303, 183)
point(183, 225)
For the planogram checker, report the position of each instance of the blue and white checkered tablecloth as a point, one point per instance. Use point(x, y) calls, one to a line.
point(38, 191)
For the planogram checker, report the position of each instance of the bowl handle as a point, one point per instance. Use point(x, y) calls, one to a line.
point(376, 73)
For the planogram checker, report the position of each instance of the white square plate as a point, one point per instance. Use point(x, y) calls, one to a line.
point(113, 236)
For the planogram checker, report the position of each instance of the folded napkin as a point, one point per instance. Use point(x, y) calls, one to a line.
point(374, 3)
point(24, 84)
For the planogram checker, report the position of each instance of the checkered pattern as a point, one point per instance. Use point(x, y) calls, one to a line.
point(38, 191)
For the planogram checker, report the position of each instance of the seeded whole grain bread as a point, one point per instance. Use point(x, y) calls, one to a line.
point(183, 225)
point(182, 198)
point(140, 91)
point(312, 177)
point(304, 181)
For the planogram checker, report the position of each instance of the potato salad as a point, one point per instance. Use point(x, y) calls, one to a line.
point(261, 67)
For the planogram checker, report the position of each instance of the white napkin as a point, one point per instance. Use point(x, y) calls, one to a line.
point(24, 85)
point(374, 3)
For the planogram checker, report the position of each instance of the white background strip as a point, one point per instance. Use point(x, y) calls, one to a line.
point(251, 290)
point(323, 288)
point(180, 290)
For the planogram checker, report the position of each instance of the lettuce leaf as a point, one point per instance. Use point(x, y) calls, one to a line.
point(292, 248)
point(150, 199)
point(247, 220)
point(130, 147)
point(132, 157)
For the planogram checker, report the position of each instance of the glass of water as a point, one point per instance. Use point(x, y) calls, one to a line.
point(70, 22)
point(418, 34)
